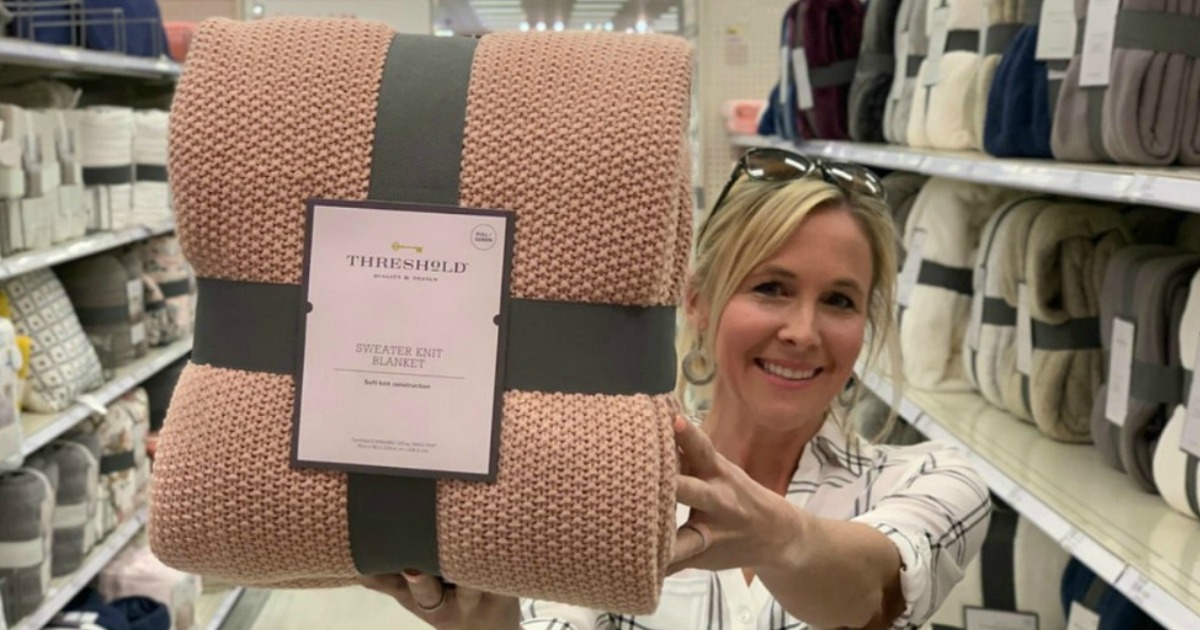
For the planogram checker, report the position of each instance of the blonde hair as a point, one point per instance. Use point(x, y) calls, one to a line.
point(754, 221)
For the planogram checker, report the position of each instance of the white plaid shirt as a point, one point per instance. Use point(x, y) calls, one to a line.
point(926, 498)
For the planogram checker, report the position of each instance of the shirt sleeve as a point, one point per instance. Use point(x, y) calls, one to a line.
point(937, 514)
point(540, 615)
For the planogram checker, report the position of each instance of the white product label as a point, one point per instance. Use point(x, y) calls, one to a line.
point(912, 268)
point(1057, 30)
point(1098, 37)
point(985, 619)
point(784, 56)
point(137, 299)
point(804, 90)
point(1190, 441)
point(939, 33)
point(402, 338)
point(1120, 371)
point(1082, 619)
point(137, 333)
point(975, 323)
point(1024, 331)
point(901, 72)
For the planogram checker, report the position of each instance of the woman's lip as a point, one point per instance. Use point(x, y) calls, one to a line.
point(795, 366)
point(787, 382)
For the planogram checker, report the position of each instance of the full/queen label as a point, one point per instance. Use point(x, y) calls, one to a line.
point(403, 339)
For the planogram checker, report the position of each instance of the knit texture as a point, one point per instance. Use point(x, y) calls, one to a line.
point(604, 216)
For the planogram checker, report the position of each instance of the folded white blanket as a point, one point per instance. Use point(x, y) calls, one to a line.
point(944, 230)
point(1176, 471)
point(151, 193)
point(17, 138)
point(944, 115)
point(108, 166)
point(912, 42)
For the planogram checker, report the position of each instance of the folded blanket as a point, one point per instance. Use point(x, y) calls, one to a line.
point(151, 193)
point(78, 459)
point(89, 602)
point(1080, 585)
point(108, 167)
point(1139, 117)
point(137, 573)
point(944, 229)
point(623, 245)
point(1176, 471)
point(1058, 250)
point(72, 220)
point(169, 290)
point(107, 297)
point(26, 532)
point(17, 141)
point(902, 189)
point(912, 44)
point(873, 73)
point(1147, 286)
point(943, 115)
point(1003, 20)
point(11, 363)
point(830, 32)
point(63, 364)
point(1010, 574)
point(119, 446)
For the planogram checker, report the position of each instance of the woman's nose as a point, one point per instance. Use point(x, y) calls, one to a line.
point(800, 328)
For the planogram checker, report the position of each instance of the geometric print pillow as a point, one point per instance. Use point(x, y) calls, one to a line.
point(63, 364)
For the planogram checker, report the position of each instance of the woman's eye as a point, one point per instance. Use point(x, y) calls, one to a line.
point(842, 301)
point(772, 289)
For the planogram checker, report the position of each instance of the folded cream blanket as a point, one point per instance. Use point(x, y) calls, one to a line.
point(902, 189)
point(1146, 286)
point(1176, 471)
point(1147, 114)
point(151, 193)
point(1003, 20)
point(944, 231)
point(108, 167)
point(943, 114)
point(912, 43)
point(591, 231)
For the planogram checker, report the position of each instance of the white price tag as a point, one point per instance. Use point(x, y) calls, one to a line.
point(1098, 36)
point(804, 90)
point(975, 323)
point(136, 297)
point(1120, 371)
point(901, 71)
point(912, 267)
point(1057, 30)
point(985, 619)
point(1024, 331)
point(137, 333)
point(1190, 441)
point(784, 56)
point(939, 33)
point(1082, 619)
point(1072, 541)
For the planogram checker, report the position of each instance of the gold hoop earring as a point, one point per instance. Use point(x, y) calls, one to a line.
point(697, 369)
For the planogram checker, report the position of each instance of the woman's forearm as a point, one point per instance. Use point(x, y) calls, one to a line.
point(836, 574)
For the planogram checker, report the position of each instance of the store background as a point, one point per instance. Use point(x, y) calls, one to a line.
point(1066, 519)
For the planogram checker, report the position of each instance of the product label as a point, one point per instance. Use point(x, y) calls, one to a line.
point(1120, 371)
point(1190, 441)
point(985, 619)
point(1057, 30)
point(804, 89)
point(1098, 39)
point(1024, 331)
point(939, 33)
point(912, 267)
point(1082, 619)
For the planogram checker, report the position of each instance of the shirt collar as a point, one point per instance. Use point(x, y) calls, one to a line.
point(832, 446)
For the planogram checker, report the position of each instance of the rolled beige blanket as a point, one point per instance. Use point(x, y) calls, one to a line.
point(1004, 21)
point(582, 510)
point(912, 42)
point(1177, 471)
point(943, 107)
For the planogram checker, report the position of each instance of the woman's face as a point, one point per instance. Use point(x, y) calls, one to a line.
point(788, 339)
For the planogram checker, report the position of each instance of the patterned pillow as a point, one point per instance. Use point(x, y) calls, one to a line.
point(10, 387)
point(63, 363)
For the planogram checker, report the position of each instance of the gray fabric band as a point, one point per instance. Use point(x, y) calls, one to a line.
point(107, 175)
point(876, 63)
point(175, 288)
point(962, 40)
point(999, 36)
point(955, 279)
point(1190, 484)
point(1095, 591)
point(1054, 86)
point(249, 326)
point(997, 312)
point(1156, 383)
point(837, 73)
point(1158, 31)
point(1073, 334)
point(117, 462)
point(1095, 119)
point(151, 173)
point(1031, 13)
point(996, 562)
point(105, 315)
point(913, 67)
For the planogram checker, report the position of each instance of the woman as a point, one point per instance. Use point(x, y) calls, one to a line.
point(787, 517)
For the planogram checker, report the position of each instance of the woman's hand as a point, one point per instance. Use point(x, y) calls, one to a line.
point(735, 522)
point(454, 608)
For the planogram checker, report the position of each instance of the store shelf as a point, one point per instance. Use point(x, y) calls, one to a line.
point(42, 428)
point(1130, 538)
point(1177, 188)
point(63, 589)
point(79, 248)
point(27, 53)
point(222, 605)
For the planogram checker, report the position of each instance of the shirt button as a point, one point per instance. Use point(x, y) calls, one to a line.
point(745, 616)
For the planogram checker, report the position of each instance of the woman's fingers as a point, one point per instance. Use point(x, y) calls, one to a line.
point(691, 540)
point(468, 598)
point(697, 456)
point(694, 493)
point(388, 584)
point(427, 591)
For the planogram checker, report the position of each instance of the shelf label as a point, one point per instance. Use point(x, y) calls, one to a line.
point(1120, 369)
point(939, 34)
point(912, 267)
point(1082, 619)
point(1189, 442)
point(987, 619)
point(899, 74)
point(1073, 541)
point(1098, 38)
point(1024, 331)
point(1056, 30)
point(804, 88)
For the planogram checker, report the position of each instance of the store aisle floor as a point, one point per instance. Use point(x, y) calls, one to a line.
point(336, 609)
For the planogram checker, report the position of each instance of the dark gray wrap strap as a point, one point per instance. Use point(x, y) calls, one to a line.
point(104, 315)
point(996, 561)
point(836, 73)
point(1157, 383)
point(107, 175)
point(1190, 484)
point(1073, 334)
point(151, 173)
point(1158, 31)
point(117, 462)
point(957, 279)
point(175, 288)
point(999, 36)
point(1031, 13)
point(962, 40)
point(997, 312)
point(876, 63)
point(913, 66)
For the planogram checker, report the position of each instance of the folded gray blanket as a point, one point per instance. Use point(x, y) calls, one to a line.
point(25, 537)
point(1146, 285)
point(107, 296)
point(76, 500)
point(873, 75)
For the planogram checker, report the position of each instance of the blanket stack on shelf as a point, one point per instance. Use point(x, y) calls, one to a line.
point(912, 43)
point(1176, 471)
point(108, 167)
point(26, 534)
point(76, 505)
point(1002, 22)
point(944, 103)
point(873, 74)
point(902, 190)
point(151, 193)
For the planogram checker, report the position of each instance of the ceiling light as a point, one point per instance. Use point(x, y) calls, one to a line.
point(541, 26)
point(587, 26)
point(642, 26)
point(524, 27)
point(608, 26)
point(559, 26)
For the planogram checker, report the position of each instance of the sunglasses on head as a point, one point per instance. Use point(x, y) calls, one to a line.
point(778, 165)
